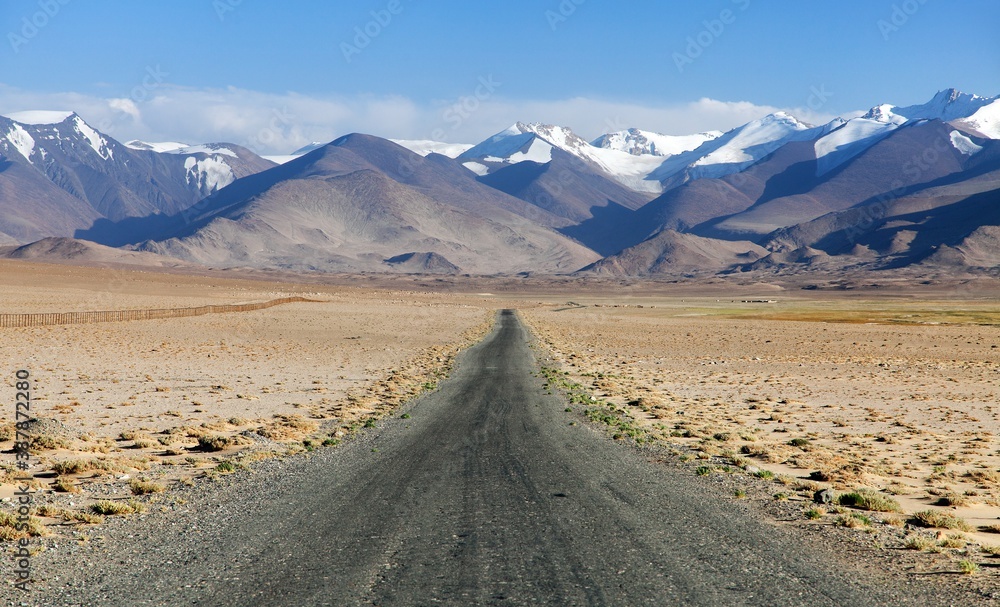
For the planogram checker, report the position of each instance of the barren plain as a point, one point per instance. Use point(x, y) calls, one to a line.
point(127, 405)
point(885, 396)
point(891, 401)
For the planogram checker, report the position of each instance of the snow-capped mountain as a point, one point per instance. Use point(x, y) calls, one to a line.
point(738, 149)
point(649, 162)
point(557, 199)
point(347, 207)
point(713, 154)
point(985, 121)
point(208, 166)
point(847, 141)
point(32, 134)
point(747, 144)
point(946, 105)
point(852, 137)
point(426, 146)
point(638, 142)
point(534, 142)
point(40, 137)
point(59, 153)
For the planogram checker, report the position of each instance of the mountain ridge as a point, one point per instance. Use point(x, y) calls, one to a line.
point(894, 187)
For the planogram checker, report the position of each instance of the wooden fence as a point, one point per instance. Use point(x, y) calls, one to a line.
point(73, 318)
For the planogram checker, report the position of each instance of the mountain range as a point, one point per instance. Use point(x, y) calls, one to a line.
point(893, 187)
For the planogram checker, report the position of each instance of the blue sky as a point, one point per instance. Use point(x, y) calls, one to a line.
point(279, 74)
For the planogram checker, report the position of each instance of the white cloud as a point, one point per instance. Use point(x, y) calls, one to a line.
point(126, 106)
point(272, 123)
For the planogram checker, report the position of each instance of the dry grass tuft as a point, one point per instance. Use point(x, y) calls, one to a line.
point(45, 442)
point(109, 507)
point(11, 528)
point(209, 442)
point(939, 520)
point(868, 499)
point(64, 485)
point(918, 542)
point(854, 520)
point(288, 427)
point(140, 487)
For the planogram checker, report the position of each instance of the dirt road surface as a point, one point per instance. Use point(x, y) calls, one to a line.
point(483, 493)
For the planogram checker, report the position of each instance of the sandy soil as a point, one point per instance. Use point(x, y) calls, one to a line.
point(899, 396)
point(165, 400)
point(888, 386)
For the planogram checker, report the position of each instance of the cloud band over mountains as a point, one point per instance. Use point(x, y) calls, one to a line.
point(269, 123)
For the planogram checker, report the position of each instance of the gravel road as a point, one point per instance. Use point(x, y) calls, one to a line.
point(485, 495)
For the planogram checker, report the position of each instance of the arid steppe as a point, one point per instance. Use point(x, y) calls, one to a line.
point(894, 396)
point(862, 392)
point(175, 398)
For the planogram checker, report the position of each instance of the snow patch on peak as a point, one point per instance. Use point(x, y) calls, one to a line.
point(97, 142)
point(848, 139)
point(477, 168)
point(22, 141)
point(205, 148)
point(638, 142)
point(963, 144)
point(182, 149)
point(536, 150)
point(161, 147)
point(425, 147)
point(504, 144)
point(38, 117)
point(985, 121)
point(281, 159)
point(315, 145)
point(946, 105)
point(884, 114)
point(208, 174)
point(757, 139)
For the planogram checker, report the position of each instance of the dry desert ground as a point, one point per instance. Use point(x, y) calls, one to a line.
point(893, 401)
point(132, 407)
point(890, 400)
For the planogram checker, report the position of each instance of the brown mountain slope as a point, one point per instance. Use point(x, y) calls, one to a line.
point(32, 208)
point(358, 220)
point(571, 188)
point(83, 252)
point(671, 252)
